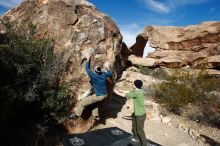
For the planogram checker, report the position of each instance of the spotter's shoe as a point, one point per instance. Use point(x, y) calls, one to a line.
point(73, 116)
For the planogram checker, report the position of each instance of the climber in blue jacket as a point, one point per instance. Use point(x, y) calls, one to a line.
point(99, 82)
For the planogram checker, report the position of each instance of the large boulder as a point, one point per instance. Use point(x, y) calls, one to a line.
point(148, 62)
point(128, 78)
point(193, 45)
point(77, 28)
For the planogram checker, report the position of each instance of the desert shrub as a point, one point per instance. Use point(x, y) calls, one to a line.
point(185, 87)
point(209, 111)
point(159, 73)
point(32, 99)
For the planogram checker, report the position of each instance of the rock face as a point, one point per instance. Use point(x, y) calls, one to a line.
point(77, 29)
point(196, 45)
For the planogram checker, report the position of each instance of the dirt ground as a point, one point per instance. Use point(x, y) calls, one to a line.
point(166, 134)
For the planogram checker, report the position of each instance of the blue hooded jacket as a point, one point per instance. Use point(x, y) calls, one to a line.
point(99, 80)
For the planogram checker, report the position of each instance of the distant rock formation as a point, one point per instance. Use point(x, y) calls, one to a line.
point(197, 46)
point(77, 29)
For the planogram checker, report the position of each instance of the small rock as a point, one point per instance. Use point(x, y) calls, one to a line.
point(161, 116)
point(182, 144)
point(170, 124)
point(149, 107)
point(201, 139)
point(193, 133)
point(166, 120)
point(183, 128)
point(135, 69)
point(179, 126)
point(186, 130)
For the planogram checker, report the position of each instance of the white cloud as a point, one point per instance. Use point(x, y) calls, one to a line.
point(177, 3)
point(212, 10)
point(160, 21)
point(148, 49)
point(169, 5)
point(9, 3)
point(130, 32)
point(157, 6)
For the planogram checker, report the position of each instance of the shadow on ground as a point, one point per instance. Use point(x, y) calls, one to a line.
point(102, 137)
point(210, 141)
point(113, 107)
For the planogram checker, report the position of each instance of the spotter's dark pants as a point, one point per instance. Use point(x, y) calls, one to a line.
point(138, 128)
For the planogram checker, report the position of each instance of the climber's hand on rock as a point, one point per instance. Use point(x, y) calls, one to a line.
point(120, 90)
point(117, 90)
point(107, 65)
point(88, 56)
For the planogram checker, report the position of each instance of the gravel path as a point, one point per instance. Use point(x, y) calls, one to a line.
point(158, 132)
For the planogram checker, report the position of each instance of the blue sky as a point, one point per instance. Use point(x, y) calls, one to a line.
point(132, 15)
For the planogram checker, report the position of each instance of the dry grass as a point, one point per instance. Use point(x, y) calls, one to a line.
point(191, 94)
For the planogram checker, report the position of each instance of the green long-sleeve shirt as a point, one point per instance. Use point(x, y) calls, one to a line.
point(138, 101)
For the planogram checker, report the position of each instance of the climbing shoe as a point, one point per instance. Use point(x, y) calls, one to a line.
point(73, 116)
point(135, 140)
point(97, 118)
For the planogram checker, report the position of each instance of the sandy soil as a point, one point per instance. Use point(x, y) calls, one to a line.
point(156, 131)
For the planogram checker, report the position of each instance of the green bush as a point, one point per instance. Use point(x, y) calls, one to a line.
point(185, 87)
point(159, 73)
point(31, 95)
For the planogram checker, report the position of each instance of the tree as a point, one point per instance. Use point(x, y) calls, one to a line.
point(31, 95)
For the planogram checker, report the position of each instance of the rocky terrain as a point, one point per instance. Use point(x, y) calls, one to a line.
point(77, 28)
point(162, 128)
point(195, 46)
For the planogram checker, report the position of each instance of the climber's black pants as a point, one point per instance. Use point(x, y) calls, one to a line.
point(138, 128)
